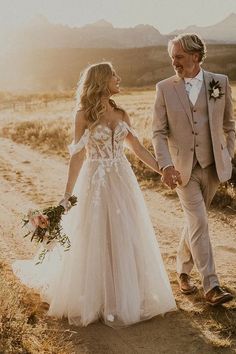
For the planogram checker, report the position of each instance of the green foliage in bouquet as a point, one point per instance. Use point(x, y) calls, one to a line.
point(45, 227)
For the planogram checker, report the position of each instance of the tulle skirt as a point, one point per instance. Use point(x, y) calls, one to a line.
point(113, 270)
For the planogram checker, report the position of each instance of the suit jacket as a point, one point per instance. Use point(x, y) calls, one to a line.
point(173, 140)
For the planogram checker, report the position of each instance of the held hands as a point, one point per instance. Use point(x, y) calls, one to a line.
point(171, 177)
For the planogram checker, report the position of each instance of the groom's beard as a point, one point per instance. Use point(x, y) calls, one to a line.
point(179, 73)
point(186, 71)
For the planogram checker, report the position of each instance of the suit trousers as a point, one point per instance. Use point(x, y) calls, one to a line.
point(195, 245)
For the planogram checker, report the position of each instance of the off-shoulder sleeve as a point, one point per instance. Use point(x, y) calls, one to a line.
point(131, 130)
point(75, 148)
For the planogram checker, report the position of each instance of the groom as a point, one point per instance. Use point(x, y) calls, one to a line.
point(193, 138)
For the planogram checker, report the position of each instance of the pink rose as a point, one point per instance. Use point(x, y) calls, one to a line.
point(40, 221)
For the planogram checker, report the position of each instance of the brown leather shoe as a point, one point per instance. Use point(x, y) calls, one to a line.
point(185, 285)
point(217, 296)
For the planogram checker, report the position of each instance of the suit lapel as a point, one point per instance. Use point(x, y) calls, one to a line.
point(183, 97)
point(207, 78)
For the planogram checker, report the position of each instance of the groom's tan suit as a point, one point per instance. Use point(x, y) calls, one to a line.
point(198, 140)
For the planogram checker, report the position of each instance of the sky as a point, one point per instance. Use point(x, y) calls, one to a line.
point(165, 15)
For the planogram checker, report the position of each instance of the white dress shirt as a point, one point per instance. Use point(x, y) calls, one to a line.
point(193, 86)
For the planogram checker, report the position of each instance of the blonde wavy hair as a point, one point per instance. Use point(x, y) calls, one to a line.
point(92, 86)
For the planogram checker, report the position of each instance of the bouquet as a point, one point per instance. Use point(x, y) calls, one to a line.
point(45, 227)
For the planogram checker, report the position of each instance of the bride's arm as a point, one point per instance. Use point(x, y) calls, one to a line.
point(140, 151)
point(77, 158)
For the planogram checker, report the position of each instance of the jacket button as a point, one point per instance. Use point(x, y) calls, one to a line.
point(197, 145)
point(196, 133)
point(191, 149)
point(195, 122)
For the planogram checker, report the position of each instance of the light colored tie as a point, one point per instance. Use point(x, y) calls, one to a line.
point(192, 90)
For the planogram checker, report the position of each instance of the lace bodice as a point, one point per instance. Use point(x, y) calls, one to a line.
point(102, 142)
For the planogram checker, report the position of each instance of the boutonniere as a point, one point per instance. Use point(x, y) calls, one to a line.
point(215, 90)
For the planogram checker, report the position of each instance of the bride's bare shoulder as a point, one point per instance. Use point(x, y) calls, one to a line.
point(81, 120)
point(125, 117)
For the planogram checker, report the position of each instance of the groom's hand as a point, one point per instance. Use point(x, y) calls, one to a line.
point(171, 177)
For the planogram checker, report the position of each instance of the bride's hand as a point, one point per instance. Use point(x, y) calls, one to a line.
point(65, 202)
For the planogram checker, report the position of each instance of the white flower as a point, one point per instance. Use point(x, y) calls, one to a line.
point(215, 90)
point(110, 318)
point(215, 93)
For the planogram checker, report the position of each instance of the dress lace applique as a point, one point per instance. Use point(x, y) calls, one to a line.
point(131, 130)
point(75, 148)
point(104, 147)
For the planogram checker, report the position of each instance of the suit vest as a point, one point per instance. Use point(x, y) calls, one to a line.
point(203, 150)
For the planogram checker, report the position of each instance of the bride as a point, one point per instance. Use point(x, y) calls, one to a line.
point(114, 270)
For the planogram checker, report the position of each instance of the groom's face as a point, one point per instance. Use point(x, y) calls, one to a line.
point(184, 64)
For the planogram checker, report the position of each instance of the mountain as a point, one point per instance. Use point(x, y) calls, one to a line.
point(222, 32)
point(100, 23)
point(40, 33)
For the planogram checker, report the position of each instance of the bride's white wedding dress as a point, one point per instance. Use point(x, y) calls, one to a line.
point(113, 270)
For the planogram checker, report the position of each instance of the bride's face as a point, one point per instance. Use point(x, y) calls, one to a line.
point(114, 83)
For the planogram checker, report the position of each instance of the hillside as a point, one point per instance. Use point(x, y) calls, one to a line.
point(59, 68)
point(223, 31)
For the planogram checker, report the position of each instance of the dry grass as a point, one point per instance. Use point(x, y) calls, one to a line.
point(216, 325)
point(24, 327)
point(46, 136)
point(226, 196)
point(11, 97)
point(219, 332)
point(52, 133)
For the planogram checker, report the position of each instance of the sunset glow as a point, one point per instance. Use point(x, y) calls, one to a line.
point(165, 15)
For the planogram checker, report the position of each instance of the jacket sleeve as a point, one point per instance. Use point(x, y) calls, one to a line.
point(229, 122)
point(160, 130)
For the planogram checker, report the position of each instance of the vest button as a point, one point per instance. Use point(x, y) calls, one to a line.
point(195, 122)
point(192, 132)
point(197, 145)
point(196, 133)
point(194, 110)
point(191, 149)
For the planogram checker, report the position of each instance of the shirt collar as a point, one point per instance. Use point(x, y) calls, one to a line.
point(198, 77)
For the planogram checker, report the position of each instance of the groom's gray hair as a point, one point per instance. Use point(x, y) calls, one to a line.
point(191, 43)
